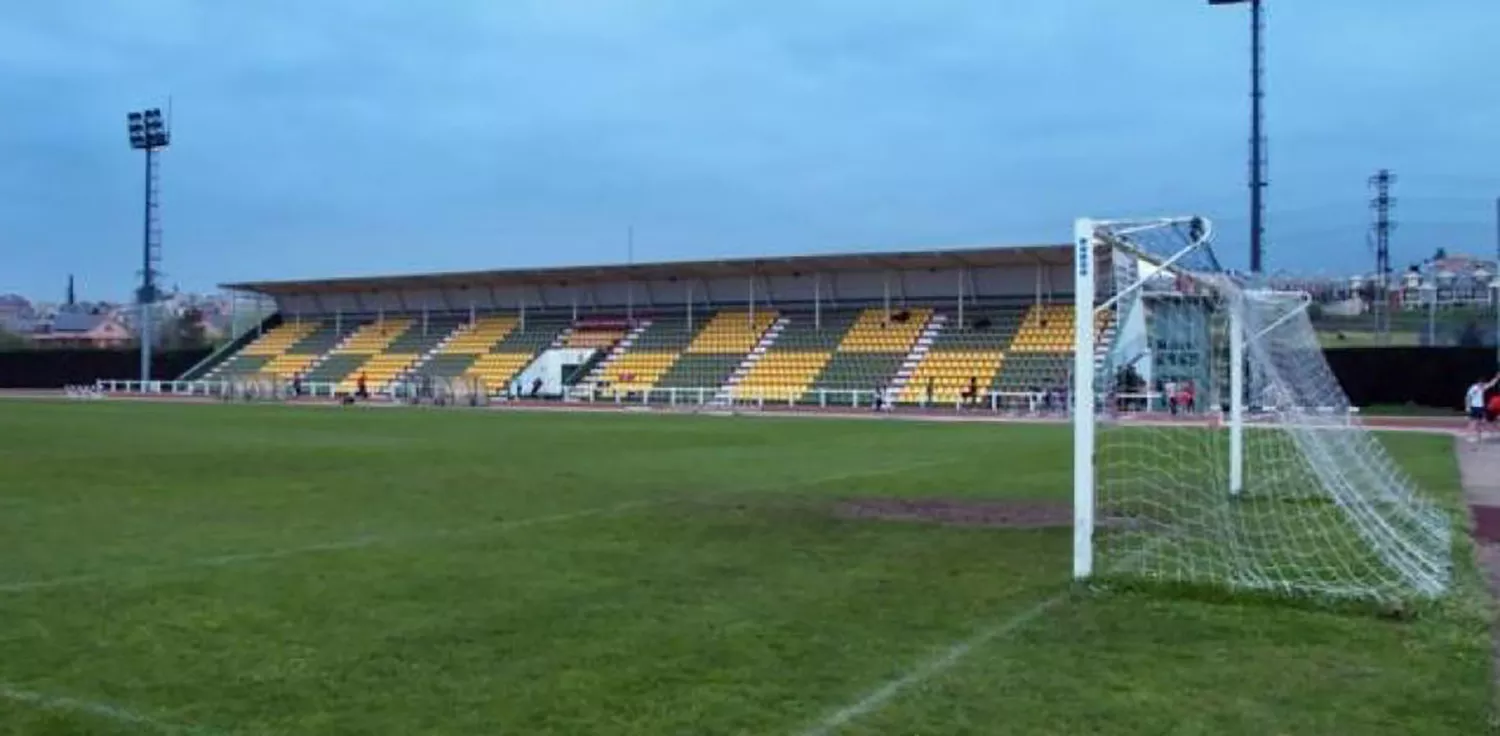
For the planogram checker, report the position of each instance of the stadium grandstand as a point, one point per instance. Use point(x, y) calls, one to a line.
point(946, 327)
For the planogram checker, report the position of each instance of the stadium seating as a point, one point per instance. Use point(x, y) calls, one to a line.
point(781, 375)
point(733, 332)
point(971, 349)
point(279, 339)
point(719, 347)
point(252, 358)
point(384, 367)
point(794, 360)
point(469, 341)
point(871, 353)
point(341, 365)
point(1033, 371)
point(521, 345)
point(1047, 328)
point(301, 355)
point(1041, 354)
point(596, 333)
point(876, 332)
point(1006, 346)
point(651, 355)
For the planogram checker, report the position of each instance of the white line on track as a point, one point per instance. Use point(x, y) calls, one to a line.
point(876, 699)
point(93, 708)
point(378, 539)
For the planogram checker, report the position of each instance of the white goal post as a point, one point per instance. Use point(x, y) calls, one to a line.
point(1212, 445)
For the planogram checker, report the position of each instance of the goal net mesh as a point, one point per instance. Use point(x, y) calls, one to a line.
point(1318, 507)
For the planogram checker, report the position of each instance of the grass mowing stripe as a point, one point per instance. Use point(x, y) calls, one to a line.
point(100, 710)
point(373, 540)
point(877, 698)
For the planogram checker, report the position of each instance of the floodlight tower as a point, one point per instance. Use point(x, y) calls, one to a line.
point(148, 132)
point(1257, 137)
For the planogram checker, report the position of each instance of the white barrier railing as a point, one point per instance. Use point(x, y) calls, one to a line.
point(464, 392)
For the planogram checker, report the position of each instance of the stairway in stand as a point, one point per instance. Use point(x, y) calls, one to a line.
point(591, 382)
point(725, 394)
point(930, 332)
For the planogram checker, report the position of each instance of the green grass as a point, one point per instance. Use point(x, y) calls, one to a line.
point(1411, 410)
point(276, 570)
point(1331, 338)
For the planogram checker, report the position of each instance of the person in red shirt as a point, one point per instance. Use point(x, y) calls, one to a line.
point(1186, 395)
point(1492, 408)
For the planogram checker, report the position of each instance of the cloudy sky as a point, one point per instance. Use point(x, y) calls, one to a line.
point(338, 137)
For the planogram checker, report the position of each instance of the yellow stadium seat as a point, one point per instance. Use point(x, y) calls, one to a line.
point(872, 332)
point(733, 331)
point(781, 375)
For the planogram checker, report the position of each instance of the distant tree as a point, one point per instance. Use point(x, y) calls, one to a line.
point(187, 330)
point(11, 341)
point(1440, 254)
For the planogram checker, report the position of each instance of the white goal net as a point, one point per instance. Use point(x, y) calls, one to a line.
point(1213, 445)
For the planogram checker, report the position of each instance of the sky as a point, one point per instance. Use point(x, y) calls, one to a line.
point(348, 137)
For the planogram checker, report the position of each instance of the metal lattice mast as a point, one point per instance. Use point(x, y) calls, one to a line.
point(1380, 233)
point(1257, 129)
point(148, 133)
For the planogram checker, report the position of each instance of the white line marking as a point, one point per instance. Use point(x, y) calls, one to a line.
point(374, 540)
point(101, 710)
point(349, 544)
point(877, 698)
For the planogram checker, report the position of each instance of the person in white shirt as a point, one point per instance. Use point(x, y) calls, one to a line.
point(1474, 405)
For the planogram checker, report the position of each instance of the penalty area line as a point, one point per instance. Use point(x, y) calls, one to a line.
point(876, 699)
point(97, 709)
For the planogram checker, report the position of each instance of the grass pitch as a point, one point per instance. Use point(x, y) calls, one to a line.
point(274, 570)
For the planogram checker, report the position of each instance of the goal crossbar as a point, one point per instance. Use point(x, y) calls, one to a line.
point(1289, 508)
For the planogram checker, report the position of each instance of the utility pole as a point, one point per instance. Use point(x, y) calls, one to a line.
point(1380, 231)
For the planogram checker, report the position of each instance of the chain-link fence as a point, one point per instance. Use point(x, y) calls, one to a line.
point(1433, 325)
point(252, 388)
point(422, 388)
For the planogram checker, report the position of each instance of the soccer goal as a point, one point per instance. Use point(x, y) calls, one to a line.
point(1212, 444)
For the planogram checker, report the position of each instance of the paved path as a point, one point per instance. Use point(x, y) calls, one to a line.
point(1479, 470)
